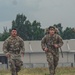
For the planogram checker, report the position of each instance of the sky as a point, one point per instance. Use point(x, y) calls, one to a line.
point(47, 12)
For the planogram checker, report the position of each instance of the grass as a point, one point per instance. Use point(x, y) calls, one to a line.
point(41, 71)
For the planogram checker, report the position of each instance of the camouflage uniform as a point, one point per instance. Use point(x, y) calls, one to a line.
point(46, 31)
point(14, 46)
point(53, 53)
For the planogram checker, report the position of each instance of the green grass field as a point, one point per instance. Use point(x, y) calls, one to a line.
point(41, 71)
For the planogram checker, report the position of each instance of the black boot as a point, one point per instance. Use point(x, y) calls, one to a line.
point(16, 73)
point(51, 74)
point(47, 74)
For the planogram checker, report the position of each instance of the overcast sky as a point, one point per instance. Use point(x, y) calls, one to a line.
point(47, 12)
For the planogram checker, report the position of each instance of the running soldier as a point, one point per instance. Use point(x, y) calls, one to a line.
point(51, 43)
point(13, 47)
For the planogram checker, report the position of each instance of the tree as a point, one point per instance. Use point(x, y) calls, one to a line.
point(22, 25)
point(37, 31)
point(59, 28)
point(68, 33)
point(5, 34)
point(26, 29)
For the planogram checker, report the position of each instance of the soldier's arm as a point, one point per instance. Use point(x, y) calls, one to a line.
point(5, 46)
point(22, 46)
point(60, 41)
point(43, 42)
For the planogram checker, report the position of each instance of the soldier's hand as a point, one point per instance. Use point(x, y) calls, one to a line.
point(45, 49)
point(22, 53)
point(7, 55)
point(56, 45)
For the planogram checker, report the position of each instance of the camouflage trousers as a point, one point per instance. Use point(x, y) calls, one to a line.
point(15, 66)
point(52, 62)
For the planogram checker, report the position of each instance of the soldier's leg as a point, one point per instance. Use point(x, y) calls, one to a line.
point(18, 68)
point(12, 67)
point(56, 59)
point(18, 65)
point(50, 60)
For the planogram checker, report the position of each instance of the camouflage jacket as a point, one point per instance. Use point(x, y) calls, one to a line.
point(13, 45)
point(48, 41)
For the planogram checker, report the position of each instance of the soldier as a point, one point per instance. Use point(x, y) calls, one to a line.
point(13, 47)
point(50, 44)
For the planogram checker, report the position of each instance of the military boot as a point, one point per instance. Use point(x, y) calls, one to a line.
point(47, 74)
point(16, 73)
point(51, 74)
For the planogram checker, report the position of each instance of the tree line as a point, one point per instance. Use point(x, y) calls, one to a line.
point(34, 31)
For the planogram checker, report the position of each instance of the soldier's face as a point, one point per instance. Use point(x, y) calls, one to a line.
point(14, 33)
point(52, 31)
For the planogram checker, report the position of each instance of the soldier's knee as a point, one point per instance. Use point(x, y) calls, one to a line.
point(18, 63)
point(13, 69)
